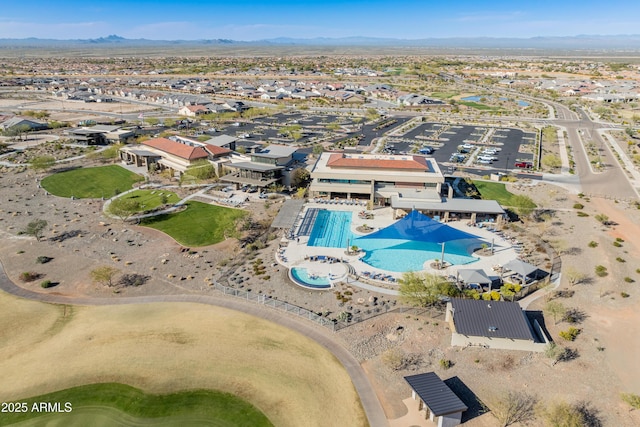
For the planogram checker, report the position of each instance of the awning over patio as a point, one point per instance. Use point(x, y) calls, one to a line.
point(474, 276)
point(520, 267)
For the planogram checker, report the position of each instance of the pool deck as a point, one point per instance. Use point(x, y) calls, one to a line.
point(297, 253)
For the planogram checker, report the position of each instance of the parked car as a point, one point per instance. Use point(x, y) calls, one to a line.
point(524, 165)
point(467, 146)
point(489, 151)
point(487, 158)
point(426, 150)
point(483, 161)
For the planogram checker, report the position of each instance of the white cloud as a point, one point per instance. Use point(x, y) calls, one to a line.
point(62, 30)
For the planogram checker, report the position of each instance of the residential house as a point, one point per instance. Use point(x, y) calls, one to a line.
point(193, 110)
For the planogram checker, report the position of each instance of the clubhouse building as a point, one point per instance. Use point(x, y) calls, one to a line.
point(404, 182)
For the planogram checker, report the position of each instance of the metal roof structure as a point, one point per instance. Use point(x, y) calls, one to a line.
point(451, 205)
point(491, 319)
point(469, 275)
point(522, 268)
point(435, 394)
point(288, 214)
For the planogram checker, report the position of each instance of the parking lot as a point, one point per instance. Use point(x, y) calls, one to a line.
point(462, 145)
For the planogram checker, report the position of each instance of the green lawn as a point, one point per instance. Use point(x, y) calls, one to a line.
point(199, 225)
point(119, 404)
point(478, 106)
point(444, 95)
point(102, 181)
point(498, 192)
point(151, 199)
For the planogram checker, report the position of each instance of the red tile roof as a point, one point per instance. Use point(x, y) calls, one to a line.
point(411, 162)
point(177, 149)
point(217, 151)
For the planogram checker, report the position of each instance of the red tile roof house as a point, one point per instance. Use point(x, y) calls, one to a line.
point(165, 153)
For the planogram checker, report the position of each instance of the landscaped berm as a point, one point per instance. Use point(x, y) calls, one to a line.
point(200, 224)
point(166, 348)
point(119, 404)
point(102, 181)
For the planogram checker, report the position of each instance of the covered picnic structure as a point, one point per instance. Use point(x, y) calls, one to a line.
point(435, 398)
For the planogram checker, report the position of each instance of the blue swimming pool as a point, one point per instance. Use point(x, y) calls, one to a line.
point(406, 250)
point(332, 229)
point(401, 256)
point(302, 276)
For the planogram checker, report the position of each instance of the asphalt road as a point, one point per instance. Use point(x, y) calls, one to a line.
point(324, 337)
point(611, 181)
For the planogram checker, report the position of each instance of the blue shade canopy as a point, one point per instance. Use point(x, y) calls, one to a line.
point(418, 227)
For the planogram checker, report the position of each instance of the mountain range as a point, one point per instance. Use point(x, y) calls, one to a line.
point(580, 42)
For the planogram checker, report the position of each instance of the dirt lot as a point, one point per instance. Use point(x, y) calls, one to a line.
point(79, 239)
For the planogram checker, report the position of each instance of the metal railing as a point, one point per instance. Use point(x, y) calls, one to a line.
point(333, 325)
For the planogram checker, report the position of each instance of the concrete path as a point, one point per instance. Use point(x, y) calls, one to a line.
point(370, 403)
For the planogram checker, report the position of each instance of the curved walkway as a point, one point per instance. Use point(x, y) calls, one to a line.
point(368, 398)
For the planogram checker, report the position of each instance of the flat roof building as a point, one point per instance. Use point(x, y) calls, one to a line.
point(404, 182)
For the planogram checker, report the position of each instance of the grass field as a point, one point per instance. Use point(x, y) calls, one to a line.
point(102, 181)
point(109, 404)
point(151, 199)
point(444, 95)
point(497, 191)
point(199, 225)
point(478, 106)
point(170, 347)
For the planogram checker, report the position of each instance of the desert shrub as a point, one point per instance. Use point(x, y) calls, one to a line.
point(601, 271)
point(578, 206)
point(43, 259)
point(267, 277)
point(445, 363)
point(620, 259)
point(393, 358)
point(629, 279)
point(624, 295)
point(619, 240)
point(46, 284)
point(593, 244)
point(133, 279)
point(632, 399)
point(570, 334)
point(582, 214)
point(617, 244)
point(28, 276)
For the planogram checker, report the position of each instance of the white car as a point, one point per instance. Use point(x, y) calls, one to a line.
point(487, 158)
point(469, 146)
point(489, 151)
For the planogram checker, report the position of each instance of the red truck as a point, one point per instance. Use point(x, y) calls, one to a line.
point(524, 165)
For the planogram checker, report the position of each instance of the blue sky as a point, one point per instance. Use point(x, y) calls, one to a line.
point(255, 20)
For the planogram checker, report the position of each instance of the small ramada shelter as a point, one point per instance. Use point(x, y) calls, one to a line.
point(435, 398)
point(493, 324)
